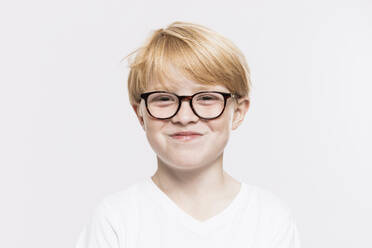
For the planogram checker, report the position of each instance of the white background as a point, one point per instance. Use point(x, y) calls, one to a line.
point(69, 136)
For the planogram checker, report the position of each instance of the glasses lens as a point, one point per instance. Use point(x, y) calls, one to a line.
point(162, 105)
point(208, 104)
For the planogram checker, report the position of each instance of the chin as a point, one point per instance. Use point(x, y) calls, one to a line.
point(189, 163)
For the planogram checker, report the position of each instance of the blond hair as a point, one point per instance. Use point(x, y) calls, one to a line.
point(197, 52)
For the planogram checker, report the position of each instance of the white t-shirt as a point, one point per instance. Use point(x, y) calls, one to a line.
point(143, 216)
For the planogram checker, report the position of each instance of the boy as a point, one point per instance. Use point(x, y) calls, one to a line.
point(189, 88)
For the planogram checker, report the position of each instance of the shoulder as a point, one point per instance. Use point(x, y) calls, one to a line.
point(268, 200)
point(274, 218)
point(119, 204)
point(108, 224)
point(122, 198)
point(268, 206)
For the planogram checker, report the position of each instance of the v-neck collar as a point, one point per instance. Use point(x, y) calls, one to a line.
point(218, 221)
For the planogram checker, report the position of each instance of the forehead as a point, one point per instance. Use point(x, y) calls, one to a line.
point(176, 82)
point(185, 86)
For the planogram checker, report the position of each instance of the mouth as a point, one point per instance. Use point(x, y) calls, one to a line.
point(186, 136)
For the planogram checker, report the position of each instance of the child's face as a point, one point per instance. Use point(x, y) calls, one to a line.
point(201, 150)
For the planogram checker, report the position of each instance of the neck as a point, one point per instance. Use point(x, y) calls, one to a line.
point(194, 183)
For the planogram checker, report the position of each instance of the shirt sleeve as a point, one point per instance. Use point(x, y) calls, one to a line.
point(101, 231)
point(286, 235)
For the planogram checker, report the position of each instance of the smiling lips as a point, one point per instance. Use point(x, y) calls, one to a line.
point(186, 135)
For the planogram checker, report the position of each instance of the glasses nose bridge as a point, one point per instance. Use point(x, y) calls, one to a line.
point(184, 98)
point(187, 99)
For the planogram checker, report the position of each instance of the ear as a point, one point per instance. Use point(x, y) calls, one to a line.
point(241, 108)
point(137, 109)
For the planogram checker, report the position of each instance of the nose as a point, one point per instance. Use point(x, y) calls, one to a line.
point(185, 114)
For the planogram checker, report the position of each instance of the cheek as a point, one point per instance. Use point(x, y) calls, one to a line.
point(154, 133)
point(223, 124)
point(220, 130)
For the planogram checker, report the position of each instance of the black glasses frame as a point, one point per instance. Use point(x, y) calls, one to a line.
point(188, 98)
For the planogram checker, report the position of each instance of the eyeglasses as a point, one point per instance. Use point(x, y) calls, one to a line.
point(205, 104)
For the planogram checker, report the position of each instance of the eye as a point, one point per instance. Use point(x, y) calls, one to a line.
point(162, 98)
point(208, 97)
